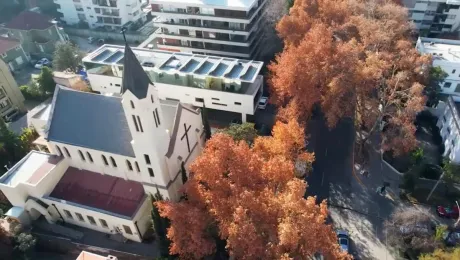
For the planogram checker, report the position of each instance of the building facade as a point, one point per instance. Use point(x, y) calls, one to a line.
point(434, 16)
point(110, 14)
point(226, 84)
point(446, 55)
point(449, 125)
point(223, 28)
point(11, 98)
point(106, 157)
point(12, 53)
point(37, 33)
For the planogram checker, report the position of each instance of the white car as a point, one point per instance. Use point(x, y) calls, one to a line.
point(263, 101)
point(42, 62)
point(343, 238)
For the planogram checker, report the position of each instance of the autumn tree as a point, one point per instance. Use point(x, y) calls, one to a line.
point(249, 197)
point(355, 59)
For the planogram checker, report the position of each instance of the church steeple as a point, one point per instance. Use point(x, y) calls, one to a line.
point(135, 79)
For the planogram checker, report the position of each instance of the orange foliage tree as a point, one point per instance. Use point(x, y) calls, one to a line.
point(355, 59)
point(249, 197)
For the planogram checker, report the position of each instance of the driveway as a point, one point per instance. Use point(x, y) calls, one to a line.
point(83, 44)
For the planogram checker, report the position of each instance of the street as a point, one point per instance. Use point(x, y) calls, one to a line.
point(353, 202)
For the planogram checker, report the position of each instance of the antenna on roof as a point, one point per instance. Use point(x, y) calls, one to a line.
point(123, 30)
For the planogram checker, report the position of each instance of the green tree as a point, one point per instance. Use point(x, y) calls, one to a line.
point(433, 88)
point(11, 149)
point(27, 137)
point(206, 126)
point(160, 226)
point(245, 131)
point(45, 81)
point(67, 56)
point(442, 254)
point(25, 243)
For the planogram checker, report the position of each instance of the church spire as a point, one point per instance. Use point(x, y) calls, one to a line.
point(135, 78)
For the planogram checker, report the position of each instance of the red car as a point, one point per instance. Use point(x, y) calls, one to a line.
point(447, 212)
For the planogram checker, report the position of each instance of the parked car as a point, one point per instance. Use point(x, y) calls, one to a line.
point(100, 42)
point(343, 239)
point(42, 62)
point(263, 101)
point(11, 116)
point(447, 212)
point(91, 39)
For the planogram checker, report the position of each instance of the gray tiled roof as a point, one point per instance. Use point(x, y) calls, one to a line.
point(135, 78)
point(89, 120)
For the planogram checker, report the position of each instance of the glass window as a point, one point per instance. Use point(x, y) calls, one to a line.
point(81, 155)
point(105, 160)
point(151, 172)
point(447, 85)
point(137, 167)
point(151, 98)
point(68, 214)
point(127, 230)
point(158, 117)
point(135, 123)
point(114, 164)
point(103, 223)
point(67, 152)
point(59, 152)
point(80, 217)
point(129, 165)
point(91, 220)
point(140, 124)
point(90, 158)
point(147, 159)
point(132, 104)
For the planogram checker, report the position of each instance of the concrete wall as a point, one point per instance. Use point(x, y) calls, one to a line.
point(46, 185)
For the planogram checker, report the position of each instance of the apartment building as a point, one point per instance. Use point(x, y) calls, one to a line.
point(109, 14)
point(106, 157)
point(434, 16)
point(226, 84)
point(11, 98)
point(446, 54)
point(225, 28)
point(448, 113)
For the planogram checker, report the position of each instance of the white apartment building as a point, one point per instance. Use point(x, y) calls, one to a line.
point(107, 155)
point(434, 16)
point(230, 28)
point(218, 83)
point(110, 14)
point(446, 54)
point(449, 125)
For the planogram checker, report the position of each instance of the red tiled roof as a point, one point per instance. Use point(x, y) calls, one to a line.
point(99, 191)
point(7, 43)
point(28, 20)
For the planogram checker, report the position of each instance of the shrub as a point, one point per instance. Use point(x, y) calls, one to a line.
point(32, 92)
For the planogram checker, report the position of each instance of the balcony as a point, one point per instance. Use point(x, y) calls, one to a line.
point(105, 3)
point(109, 12)
point(221, 38)
point(205, 46)
point(194, 23)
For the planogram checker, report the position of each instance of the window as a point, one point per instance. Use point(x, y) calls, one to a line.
point(155, 118)
point(97, 10)
point(453, 71)
point(457, 88)
point(127, 230)
point(140, 124)
point(158, 117)
point(176, 76)
point(451, 16)
point(137, 167)
point(151, 98)
point(80, 217)
point(447, 85)
point(68, 214)
point(135, 123)
point(238, 103)
point(215, 99)
point(147, 159)
point(67, 152)
point(132, 104)
point(103, 223)
point(114, 164)
point(91, 220)
point(151, 172)
point(90, 158)
point(129, 165)
point(105, 160)
point(199, 100)
point(81, 155)
point(59, 152)
point(219, 104)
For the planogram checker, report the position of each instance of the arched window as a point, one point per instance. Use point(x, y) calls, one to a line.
point(132, 104)
point(67, 152)
point(151, 98)
point(59, 151)
point(81, 155)
point(137, 167)
point(90, 158)
point(114, 164)
point(130, 166)
point(105, 160)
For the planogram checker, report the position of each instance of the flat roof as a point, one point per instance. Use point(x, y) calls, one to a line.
point(222, 3)
point(180, 62)
point(99, 191)
point(31, 169)
point(441, 49)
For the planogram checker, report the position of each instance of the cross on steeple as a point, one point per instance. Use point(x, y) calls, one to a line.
point(186, 135)
point(123, 30)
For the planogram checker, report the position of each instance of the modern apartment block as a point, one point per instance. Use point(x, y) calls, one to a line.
point(218, 83)
point(446, 54)
point(211, 27)
point(11, 98)
point(449, 127)
point(110, 14)
point(434, 16)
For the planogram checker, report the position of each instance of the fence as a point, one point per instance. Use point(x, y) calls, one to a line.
point(115, 36)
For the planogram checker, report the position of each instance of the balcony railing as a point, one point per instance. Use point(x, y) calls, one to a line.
point(237, 38)
point(207, 46)
point(214, 26)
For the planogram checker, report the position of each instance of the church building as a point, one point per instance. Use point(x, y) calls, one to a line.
point(108, 153)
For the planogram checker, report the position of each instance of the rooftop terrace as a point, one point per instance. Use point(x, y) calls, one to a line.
point(441, 49)
point(181, 63)
point(31, 169)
